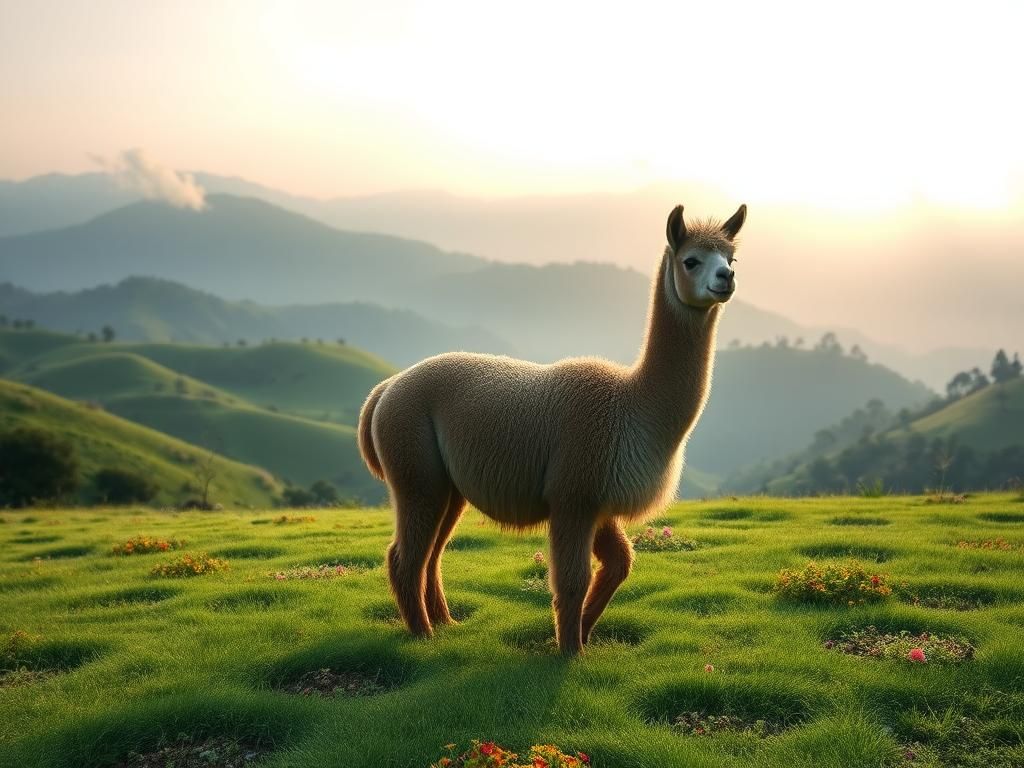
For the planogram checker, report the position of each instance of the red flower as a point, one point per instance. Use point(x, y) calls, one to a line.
point(487, 748)
point(540, 762)
point(584, 757)
point(875, 581)
point(916, 654)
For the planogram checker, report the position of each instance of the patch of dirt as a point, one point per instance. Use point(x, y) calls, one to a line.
point(329, 684)
point(923, 648)
point(703, 724)
point(218, 752)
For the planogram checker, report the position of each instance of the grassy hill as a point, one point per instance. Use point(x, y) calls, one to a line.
point(287, 408)
point(769, 401)
point(104, 440)
point(119, 661)
point(974, 442)
point(988, 420)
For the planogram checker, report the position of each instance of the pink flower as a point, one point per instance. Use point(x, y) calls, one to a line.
point(279, 576)
point(584, 757)
point(709, 667)
point(538, 558)
point(666, 532)
point(916, 654)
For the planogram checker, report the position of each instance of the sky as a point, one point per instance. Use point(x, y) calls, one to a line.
point(861, 107)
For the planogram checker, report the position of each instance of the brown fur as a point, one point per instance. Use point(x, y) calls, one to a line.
point(582, 444)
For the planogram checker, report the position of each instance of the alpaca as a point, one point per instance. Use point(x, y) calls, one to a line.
point(582, 444)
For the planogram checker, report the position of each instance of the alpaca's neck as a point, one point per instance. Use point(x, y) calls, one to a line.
point(672, 376)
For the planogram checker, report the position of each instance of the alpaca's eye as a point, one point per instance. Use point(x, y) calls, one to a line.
point(690, 263)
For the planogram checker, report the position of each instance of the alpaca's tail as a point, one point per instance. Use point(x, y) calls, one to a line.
point(366, 446)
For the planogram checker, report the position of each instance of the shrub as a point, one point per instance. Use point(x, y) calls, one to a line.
point(143, 545)
point(120, 486)
point(849, 584)
point(190, 565)
point(665, 541)
point(35, 465)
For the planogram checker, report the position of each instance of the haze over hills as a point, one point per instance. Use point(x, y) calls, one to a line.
point(794, 261)
point(242, 248)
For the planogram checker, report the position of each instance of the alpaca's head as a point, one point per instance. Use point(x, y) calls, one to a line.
point(702, 253)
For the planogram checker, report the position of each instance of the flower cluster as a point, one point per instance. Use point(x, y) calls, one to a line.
point(315, 572)
point(849, 584)
point(292, 519)
point(487, 754)
point(1000, 544)
point(666, 541)
point(191, 565)
point(925, 648)
point(143, 545)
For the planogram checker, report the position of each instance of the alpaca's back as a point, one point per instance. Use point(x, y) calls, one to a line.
point(509, 433)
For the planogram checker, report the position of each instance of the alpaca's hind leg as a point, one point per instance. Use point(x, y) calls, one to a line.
point(437, 606)
point(417, 521)
point(615, 553)
point(571, 541)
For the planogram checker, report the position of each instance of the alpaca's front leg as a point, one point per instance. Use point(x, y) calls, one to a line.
point(615, 553)
point(571, 542)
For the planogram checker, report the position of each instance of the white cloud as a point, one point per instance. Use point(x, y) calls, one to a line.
point(135, 170)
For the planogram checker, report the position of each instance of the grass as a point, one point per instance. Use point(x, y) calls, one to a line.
point(107, 660)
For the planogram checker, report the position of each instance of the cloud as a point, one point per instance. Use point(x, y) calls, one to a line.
point(136, 171)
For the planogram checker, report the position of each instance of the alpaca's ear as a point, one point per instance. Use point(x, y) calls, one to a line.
point(676, 228)
point(733, 226)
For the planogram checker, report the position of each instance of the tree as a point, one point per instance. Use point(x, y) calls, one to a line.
point(3, 321)
point(120, 486)
point(204, 470)
point(108, 334)
point(242, 342)
point(35, 465)
point(324, 493)
point(959, 385)
point(829, 343)
point(341, 341)
point(857, 353)
point(1001, 369)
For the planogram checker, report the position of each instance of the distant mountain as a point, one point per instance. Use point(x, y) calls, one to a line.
point(241, 248)
point(57, 200)
point(151, 309)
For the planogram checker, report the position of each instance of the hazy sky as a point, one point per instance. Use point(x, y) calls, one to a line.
point(854, 106)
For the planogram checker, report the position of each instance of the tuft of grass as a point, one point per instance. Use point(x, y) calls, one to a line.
point(190, 565)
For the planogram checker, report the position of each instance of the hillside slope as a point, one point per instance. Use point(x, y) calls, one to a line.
point(104, 440)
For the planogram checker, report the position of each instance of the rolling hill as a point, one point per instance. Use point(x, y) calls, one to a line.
point(974, 442)
point(150, 309)
point(202, 395)
point(104, 440)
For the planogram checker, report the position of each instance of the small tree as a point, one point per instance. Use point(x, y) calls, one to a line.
point(324, 493)
point(1015, 367)
point(205, 471)
point(1001, 369)
point(119, 486)
point(108, 334)
point(35, 465)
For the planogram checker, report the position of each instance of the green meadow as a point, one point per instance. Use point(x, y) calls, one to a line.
point(101, 658)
